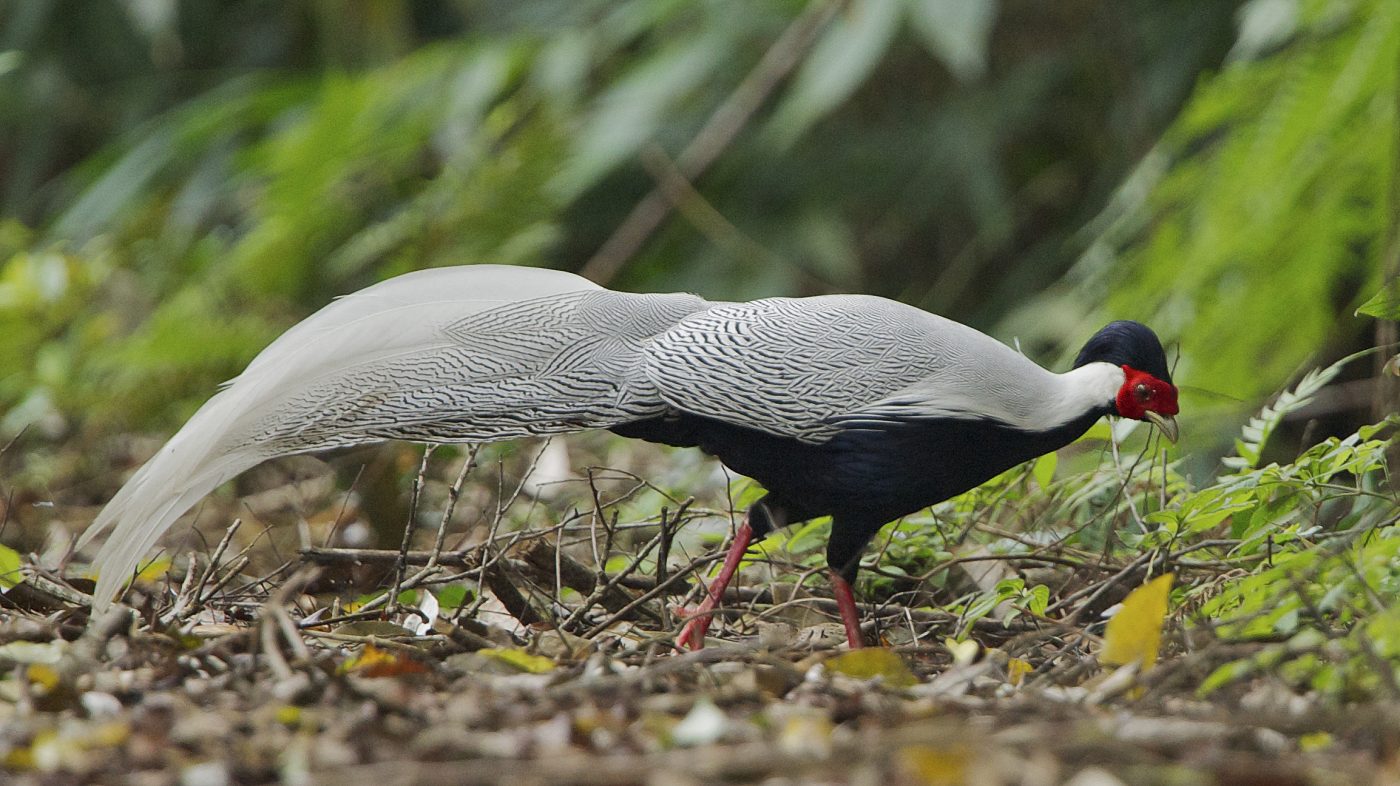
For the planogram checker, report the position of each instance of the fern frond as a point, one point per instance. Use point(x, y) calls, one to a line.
point(1249, 448)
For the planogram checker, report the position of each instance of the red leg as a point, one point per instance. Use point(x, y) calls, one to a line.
point(850, 615)
point(693, 634)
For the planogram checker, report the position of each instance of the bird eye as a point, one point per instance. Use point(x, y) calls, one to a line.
point(1142, 392)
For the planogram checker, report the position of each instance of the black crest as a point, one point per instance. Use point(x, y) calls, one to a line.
point(1127, 343)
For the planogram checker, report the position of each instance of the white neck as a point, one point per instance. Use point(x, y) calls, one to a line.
point(1014, 391)
point(1076, 392)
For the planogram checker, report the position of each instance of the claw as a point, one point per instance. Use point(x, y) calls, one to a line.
point(693, 634)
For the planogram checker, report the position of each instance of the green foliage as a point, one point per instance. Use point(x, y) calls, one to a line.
point(1259, 221)
point(11, 569)
point(1385, 304)
point(1249, 448)
point(45, 316)
point(1019, 598)
point(844, 58)
point(454, 596)
point(1320, 536)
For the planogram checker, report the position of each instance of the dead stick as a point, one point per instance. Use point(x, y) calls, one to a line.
point(464, 560)
point(401, 566)
point(714, 138)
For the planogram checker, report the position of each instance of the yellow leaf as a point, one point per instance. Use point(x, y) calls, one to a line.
point(964, 652)
point(519, 659)
point(18, 759)
point(154, 570)
point(872, 662)
point(49, 689)
point(1314, 741)
point(110, 735)
point(1134, 634)
point(931, 766)
point(376, 662)
point(43, 677)
point(10, 568)
point(1016, 670)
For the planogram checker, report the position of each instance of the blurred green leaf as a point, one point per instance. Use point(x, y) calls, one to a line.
point(874, 662)
point(957, 32)
point(1385, 304)
point(11, 568)
point(1044, 469)
point(629, 114)
point(841, 61)
point(453, 596)
point(520, 660)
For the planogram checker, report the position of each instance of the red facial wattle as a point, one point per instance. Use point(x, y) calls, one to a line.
point(1143, 393)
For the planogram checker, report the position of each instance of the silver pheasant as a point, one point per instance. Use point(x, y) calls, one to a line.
point(484, 352)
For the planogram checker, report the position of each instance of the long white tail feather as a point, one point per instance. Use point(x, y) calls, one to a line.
point(400, 317)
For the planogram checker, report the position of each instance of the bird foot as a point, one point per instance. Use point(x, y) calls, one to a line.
point(693, 634)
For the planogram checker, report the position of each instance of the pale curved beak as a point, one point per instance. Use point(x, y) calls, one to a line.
point(1165, 424)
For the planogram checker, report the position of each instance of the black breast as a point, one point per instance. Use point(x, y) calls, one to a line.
point(871, 475)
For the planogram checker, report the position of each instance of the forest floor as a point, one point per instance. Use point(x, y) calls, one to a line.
point(511, 663)
point(268, 698)
point(270, 701)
